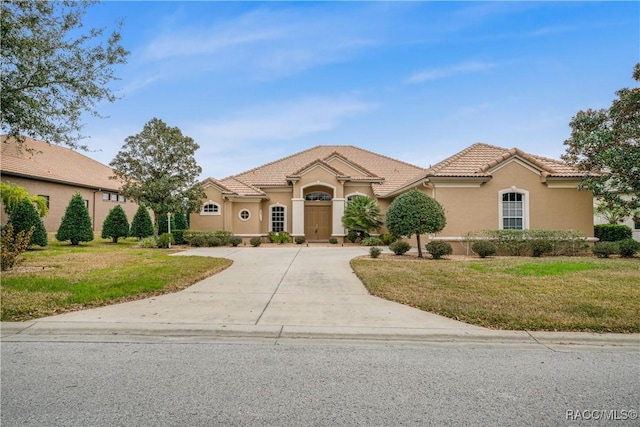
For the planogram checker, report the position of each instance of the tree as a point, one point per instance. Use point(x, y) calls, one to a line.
point(612, 212)
point(51, 71)
point(12, 195)
point(181, 222)
point(606, 144)
point(362, 215)
point(12, 245)
point(159, 169)
point(24, 217)
point(115, 225)
point(76, 222)
point(141, 226)
point(415, 213)
point(163, 224)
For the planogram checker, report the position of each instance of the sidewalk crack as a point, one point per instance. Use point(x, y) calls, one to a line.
point(278, 287)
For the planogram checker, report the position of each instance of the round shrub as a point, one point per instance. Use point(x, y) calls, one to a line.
point(439, 248)
point(352, 236)
point(333, 241)
point(612, 232)
point(388, 238)
point(372, 241)
point(375, 252)
point(300, 240)
point(214, 241)
point(484, 248)
point(255, 241)
point(235, 240)
point(148, 243)
point(165, 240)
point(540, 247)
point(197, 240)
point(604, 249)
point(628, 248)
point(399, 247)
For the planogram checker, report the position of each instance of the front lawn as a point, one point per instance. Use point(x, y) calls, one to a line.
point(61, 278)
point(547, 294)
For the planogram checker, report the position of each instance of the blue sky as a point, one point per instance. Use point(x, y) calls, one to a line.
point(252, 82)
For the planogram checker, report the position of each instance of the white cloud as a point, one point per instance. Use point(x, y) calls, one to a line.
point(282, 121)
point(444, 72)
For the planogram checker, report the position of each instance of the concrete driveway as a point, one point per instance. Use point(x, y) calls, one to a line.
point(268, 289)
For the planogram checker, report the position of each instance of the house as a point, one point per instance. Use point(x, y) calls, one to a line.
point(481, 187)
point(57, 173)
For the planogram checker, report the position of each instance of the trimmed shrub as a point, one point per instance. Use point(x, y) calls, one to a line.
point(438, 248)
point(23, 217)
point(115, 225)
point(375, 252)
point(628, 248)
point(235, 240)
point(333, 241)
point(352, 236)
point(181, 221)
point(165, 240)
point(141, 225)
point(540, 247)
point(612, 232)
point(484, 248)
point(13, 245)
point(280, 238)
point(148, 243)
point(399, 247)
point(372, 241)
point(223, 236)
point(213, 241)
point(255, 241)
point(388, 238)
point(178, 237)
point(76, 223)
point(299, 240)
point(604, 249)
point(163, 223)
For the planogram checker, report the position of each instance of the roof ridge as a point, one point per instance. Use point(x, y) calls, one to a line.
point(449, 160)
point(320, 161)
point(356, 164)
point(382, 155)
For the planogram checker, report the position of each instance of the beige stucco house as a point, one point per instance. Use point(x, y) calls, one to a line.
point(57, 173)
point(481, 187)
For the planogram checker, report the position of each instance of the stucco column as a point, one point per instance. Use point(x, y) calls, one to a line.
point(338, 212)
point(297, 217)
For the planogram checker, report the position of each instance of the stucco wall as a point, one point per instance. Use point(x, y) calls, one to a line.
point(59, 197)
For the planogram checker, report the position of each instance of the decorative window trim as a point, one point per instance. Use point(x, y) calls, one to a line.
point(284, 216)
point(322, 194)
point(248, 216)
point(525, 206)
point(216, 211)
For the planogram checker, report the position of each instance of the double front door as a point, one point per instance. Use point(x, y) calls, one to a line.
point(317, 221)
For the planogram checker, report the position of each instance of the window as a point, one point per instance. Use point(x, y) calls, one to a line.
point(210, 208)
point(86, 203)
point(318, 196)
point(513, 211)
point(46, 199)
point(636, 224)
point(105, 197)
point(114, 197)
point(121, 198)
point(278, 218)
point(244, 214)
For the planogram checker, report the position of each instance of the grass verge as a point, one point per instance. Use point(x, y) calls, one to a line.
point(547, 294)
point(62, 278)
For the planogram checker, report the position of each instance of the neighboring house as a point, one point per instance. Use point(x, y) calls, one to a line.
point(633, 221)
point(481, 187)
point(57, 173)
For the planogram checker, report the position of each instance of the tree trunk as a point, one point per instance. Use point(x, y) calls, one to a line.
point(419, 245)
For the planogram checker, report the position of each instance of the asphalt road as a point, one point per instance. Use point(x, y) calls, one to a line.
point(323, 383)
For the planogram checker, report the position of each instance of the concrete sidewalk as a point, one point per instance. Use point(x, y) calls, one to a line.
point(284, 292)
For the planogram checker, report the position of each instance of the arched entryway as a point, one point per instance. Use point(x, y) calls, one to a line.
point(317, 214)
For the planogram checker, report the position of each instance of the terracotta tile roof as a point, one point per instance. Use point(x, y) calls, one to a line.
point(240, 188)
point(392, 172)
point(478, 160)
point(52, 162)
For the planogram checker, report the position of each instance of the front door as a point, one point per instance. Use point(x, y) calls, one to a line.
point(317, 222)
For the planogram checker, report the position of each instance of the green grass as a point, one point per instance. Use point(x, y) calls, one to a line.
point(61, 278)
point(552, 294)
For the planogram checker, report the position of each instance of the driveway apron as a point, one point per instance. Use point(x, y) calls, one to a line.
point(272, 286)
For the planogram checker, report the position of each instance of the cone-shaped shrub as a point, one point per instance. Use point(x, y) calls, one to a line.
point(23, 217)
point(76, 222)
point(141, 226)
point(115, 225)
point(181, 222)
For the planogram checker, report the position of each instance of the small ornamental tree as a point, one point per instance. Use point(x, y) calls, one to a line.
point(163, 223)
point(181, 222)
point(415, 213)
point(13, 194)
point(115, 225)
point(76, 222)
point(141, 226)
point(361, 215)
point(23, 217)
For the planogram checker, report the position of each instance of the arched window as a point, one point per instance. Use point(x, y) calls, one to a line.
point(210, 208)
point(318, 196)
point(277, 218)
